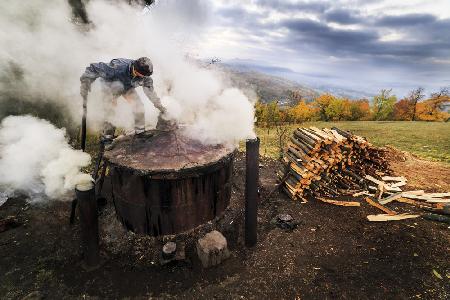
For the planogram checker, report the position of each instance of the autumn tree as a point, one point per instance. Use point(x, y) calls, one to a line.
point(430, 109)
point(338, 109)
point(304, 112)
point(403, 110)
point(414, 97)
point(359, 110)
point(322, 102)
point(383, 105)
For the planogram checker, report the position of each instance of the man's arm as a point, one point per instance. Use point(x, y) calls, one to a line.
point(151, 94)
point(91, 73)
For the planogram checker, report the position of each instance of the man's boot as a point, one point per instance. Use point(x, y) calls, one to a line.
point(108, 135)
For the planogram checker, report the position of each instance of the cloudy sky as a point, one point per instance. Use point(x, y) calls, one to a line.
point(359, 44)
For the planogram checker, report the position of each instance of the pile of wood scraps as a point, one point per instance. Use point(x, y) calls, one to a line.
point(331, 164)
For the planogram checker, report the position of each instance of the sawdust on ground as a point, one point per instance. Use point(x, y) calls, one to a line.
point(421, 174)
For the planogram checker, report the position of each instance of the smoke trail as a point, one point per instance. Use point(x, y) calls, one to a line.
point(35, 158)
point(52, 53)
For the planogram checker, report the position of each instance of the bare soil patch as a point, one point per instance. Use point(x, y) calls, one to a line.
point(334, 252)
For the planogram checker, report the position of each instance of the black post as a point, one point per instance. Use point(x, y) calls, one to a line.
point(87, 205)
point(251, 190)
point(83, 125)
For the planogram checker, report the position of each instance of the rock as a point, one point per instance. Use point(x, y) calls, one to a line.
point(173, 252)
point(169, 250)
point(212, 249)
point(285, 221)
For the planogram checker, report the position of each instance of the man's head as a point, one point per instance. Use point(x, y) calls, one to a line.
point(142, 67)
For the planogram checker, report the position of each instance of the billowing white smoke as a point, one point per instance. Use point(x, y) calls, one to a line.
point(35, 158)
point(53, 53)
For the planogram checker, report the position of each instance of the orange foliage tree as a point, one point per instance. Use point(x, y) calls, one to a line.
point(429, 110)
point(338, 109)
point(304, 112)
point(322, 102)
point(359, 110)
point(403, 110)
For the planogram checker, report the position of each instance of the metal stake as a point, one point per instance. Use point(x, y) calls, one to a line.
point(251, 190)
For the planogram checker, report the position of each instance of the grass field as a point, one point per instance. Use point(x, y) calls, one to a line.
point(430, 140)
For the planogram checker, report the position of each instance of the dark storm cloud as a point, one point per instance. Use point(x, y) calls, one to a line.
point(237, 16)
point(343, 16)
point(363, 41)
point(350, 34)
point(405, 20)
point(316, 34)
point(284, 6)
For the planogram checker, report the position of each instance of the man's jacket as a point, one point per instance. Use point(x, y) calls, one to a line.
point(117, 78)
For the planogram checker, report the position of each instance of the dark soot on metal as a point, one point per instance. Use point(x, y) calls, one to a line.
point(165, 183)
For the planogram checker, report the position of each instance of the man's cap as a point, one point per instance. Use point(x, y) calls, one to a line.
point(144, 66)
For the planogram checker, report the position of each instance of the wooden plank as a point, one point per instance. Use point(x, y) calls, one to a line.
point(374, 180)
point(398, 184)
point(390, 178)
point(380, 207)
point(390, 198)
point(339, 203)
point(417, 197)
point(385, 217)
point(438, 200)
point(438, 195)
point(417, 192)
point(413, 202)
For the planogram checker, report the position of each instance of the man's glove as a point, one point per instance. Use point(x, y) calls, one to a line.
point(85, 88)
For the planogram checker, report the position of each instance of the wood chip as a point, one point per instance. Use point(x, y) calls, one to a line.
point(385, 217)
point(340, 203)
point(380, 207)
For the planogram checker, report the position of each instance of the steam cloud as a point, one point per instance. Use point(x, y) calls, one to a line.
point(35, 158)
point(53, 52)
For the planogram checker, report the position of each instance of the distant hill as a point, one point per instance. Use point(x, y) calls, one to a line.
point(269, 85)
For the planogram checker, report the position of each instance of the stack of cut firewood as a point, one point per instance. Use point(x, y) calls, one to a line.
point(329, 162)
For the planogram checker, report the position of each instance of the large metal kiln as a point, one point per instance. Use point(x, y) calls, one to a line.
point(165, 183)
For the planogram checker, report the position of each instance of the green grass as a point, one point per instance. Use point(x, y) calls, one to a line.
point(429, 140)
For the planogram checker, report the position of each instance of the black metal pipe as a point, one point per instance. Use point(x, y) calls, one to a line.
point(251, 190)
point(83, 125)
point(88, 212)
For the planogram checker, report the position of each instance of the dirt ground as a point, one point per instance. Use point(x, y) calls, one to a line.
point(334, 253)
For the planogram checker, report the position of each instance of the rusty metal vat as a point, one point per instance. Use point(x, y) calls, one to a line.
point(165, 183)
